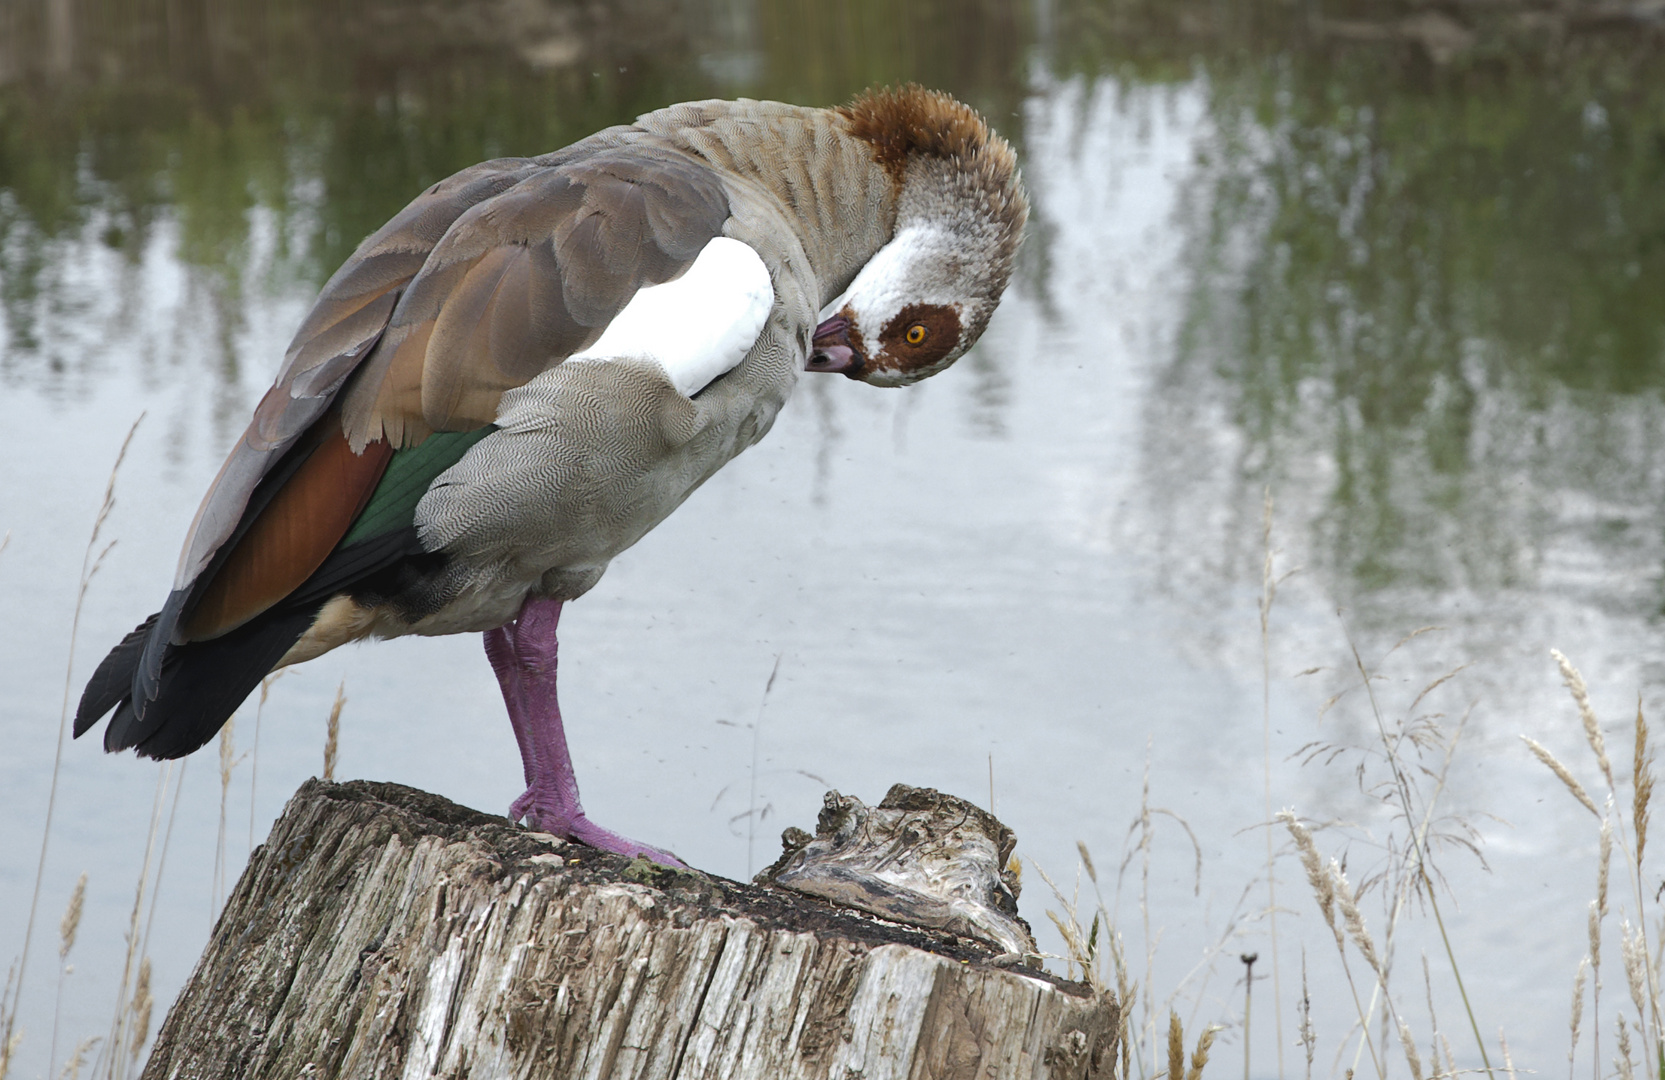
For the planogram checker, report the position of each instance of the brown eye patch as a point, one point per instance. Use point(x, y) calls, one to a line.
point(920, 335)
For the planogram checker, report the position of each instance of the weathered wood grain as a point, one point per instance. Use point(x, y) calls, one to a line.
point(383, 932)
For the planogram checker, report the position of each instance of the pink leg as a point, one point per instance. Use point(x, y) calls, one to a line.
point(523, 654)
point(500, 644)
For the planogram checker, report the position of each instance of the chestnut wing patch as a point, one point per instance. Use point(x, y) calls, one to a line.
point(291, 536)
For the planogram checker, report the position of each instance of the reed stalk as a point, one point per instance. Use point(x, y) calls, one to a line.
point(1576, 1017)
point(162, 859)
point(1269, 582)
point(110, 1059)
point(67, 928)
point(90, 565)
point(1309, 1038)
point(1419, 838)
point(254, 754)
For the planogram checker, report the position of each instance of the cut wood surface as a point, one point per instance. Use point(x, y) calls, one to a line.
point(385, 932)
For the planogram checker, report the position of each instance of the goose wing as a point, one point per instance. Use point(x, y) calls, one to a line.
point(485, 280)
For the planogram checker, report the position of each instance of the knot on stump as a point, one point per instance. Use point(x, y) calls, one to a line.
point(920, 857)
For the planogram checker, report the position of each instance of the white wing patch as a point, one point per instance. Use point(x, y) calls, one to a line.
point(698, 326)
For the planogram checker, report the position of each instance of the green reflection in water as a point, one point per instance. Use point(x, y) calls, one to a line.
point(1426, 266)
point(1414, 265)
point(116, 116)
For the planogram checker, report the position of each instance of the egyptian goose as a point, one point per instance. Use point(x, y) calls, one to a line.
point(539, 359)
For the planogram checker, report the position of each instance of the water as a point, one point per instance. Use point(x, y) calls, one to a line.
point(1420, 302)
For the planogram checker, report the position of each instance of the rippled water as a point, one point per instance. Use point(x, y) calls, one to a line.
point(1411, 285)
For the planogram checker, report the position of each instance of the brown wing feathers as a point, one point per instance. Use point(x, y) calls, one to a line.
point(482, 282)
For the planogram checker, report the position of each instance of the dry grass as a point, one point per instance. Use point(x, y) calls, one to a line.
point(1576, 1016)
point(1270, 579)
point(266, 685)
point(8, 1048)
point(139, 1009)
point(1404, 768)
point(67, 928)
point(90, 565)
point(1176, 1048)
point(133, 992)
point(1641, 964)
point(77, 1058)
point(1308, 1036)
point(332, 734)
point(1199, 1056)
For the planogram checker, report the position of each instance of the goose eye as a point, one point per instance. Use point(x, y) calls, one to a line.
point(917, 334)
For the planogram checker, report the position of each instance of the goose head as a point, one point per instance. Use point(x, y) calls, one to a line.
point(925, 297)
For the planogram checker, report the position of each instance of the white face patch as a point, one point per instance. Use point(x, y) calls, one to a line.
point(919, 278)
point(911, 269)
point(699, 326)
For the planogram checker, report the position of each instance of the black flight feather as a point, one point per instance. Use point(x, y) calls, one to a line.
point(203, 682)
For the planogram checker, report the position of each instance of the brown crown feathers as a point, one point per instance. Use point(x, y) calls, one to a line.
point(906, 121)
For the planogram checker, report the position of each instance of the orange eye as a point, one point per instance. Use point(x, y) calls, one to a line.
point(917, 333)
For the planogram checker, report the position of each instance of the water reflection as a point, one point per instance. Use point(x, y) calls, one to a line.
point(1432, 313)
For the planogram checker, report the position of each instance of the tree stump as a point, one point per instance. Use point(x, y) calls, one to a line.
point(385, 932)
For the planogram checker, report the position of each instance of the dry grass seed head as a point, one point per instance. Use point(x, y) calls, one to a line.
point(1176, 1048)
point(8, 1047)
point(1595, 935)
point(1626, 1070)
point(1411, 1055)
point(77, 1058)
point(1561, 772)
point(1199, 1056)
point(1450, 1058)
point(1635, 954)
point(72, 917)
point(1577, 1016)
point(1354, 920)
point(1077, 957)
point(1641, 766)
point(228, 751)
point(1586, 713)
point(1323, 888)
point(140, 1006)
point(332, 737)
point(1605, 859)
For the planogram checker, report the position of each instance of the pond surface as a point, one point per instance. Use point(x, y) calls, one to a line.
point(1402, 275)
